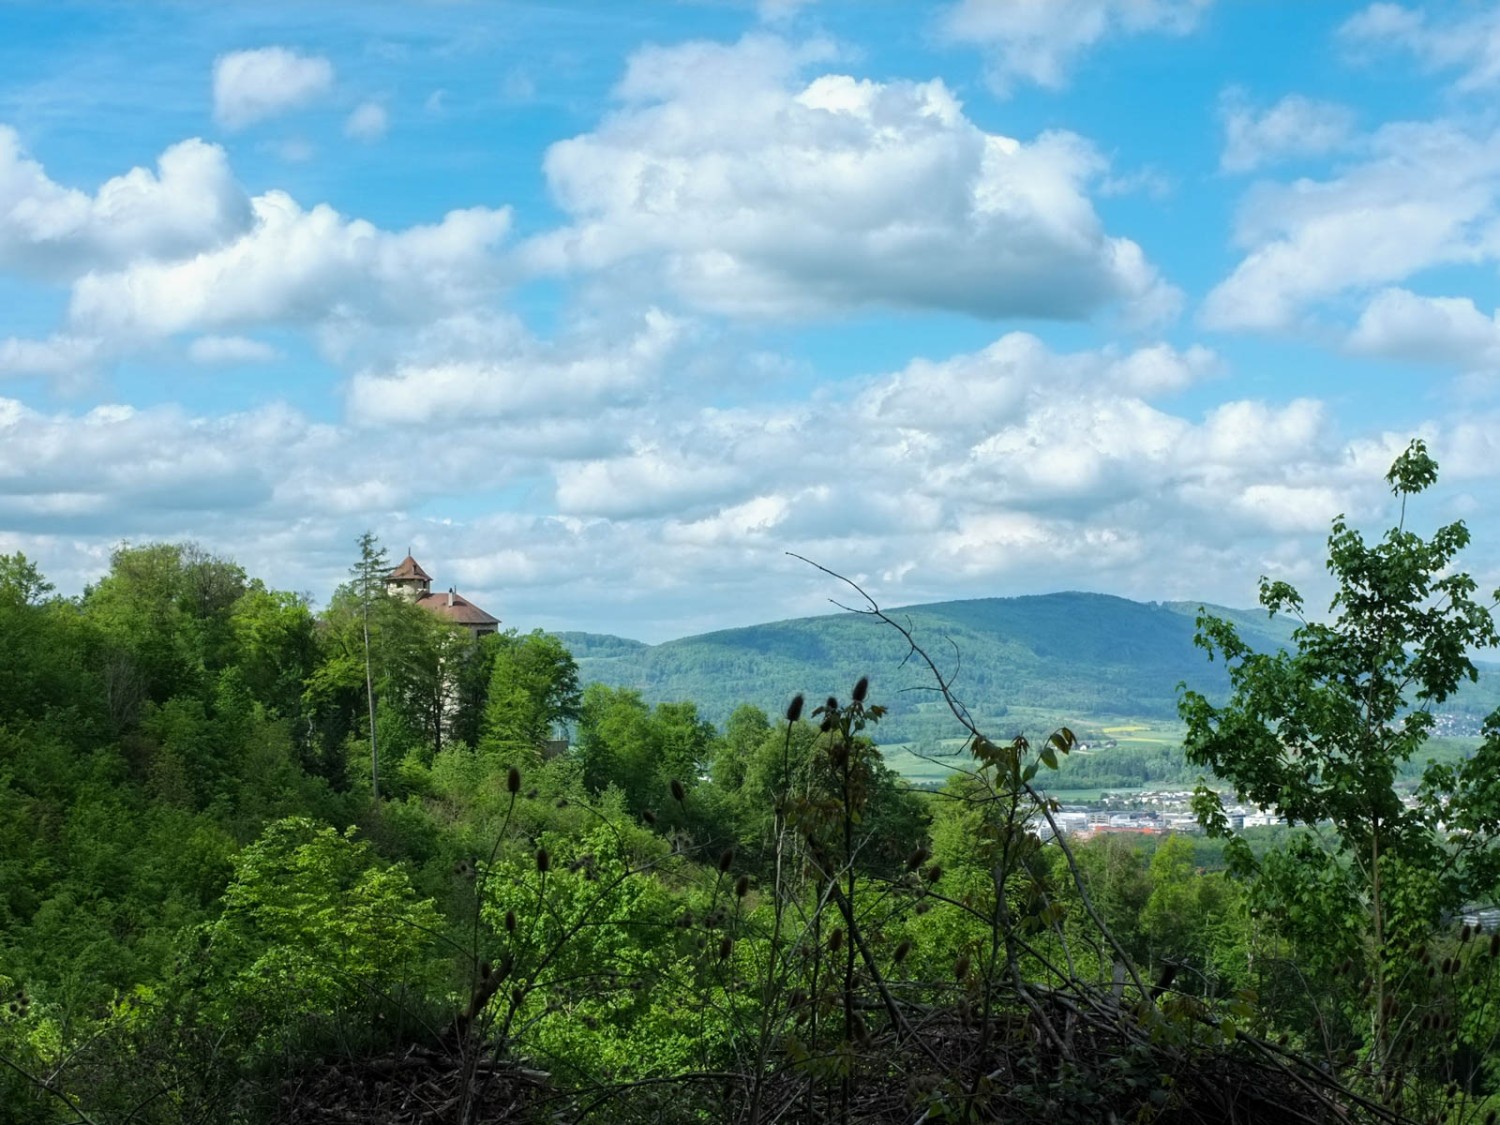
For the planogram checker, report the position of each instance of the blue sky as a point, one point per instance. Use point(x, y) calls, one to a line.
point(602, 308)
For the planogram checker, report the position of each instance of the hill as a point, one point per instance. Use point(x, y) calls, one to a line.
point(1023, 663)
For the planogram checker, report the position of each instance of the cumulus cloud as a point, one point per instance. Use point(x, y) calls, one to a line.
point(1015, 434)
point(1009, 469)
point(1040, 41)
point(252, 86)
point(1467, 42)
point(1426, 196)
point(1294, 126)
point(212, 350)
point(190, 203)
point(1399, 324)
point(368, 122)
point(60, 357)
point(510, 374)
point(296, 266)
point(749, 191)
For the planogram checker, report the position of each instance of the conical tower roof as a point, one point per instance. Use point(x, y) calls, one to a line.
point(409, 569)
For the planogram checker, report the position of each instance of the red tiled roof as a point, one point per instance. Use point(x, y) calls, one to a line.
point(462, 611)
point(409, 568)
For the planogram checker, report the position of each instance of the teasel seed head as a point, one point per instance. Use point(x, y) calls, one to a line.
point(742, 886)
point(648, 816)
point(543, 860)
point(917, 858)
point(510, 921)
point(961, 968)
point(513, 780)
point(1465, 934)
point(794, 708)
point(726, 859)
point(862, 689)
point(726, 947)
point(835, 941)
point(934, 873)
point(901, 951)
point(859, 1032)
point(679, 794)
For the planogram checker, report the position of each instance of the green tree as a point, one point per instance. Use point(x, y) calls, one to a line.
point(533, 689)
point(369, 574)
point(624, 743)
point(1318, 732)
point(20, 580)
point(313, 926)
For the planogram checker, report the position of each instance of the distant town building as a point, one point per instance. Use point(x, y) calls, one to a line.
point(411, 582)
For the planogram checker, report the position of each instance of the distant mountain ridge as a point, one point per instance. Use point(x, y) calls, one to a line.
point(1019, 663)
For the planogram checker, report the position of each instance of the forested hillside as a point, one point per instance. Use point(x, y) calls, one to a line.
point(1023, 664)
point(260, 864)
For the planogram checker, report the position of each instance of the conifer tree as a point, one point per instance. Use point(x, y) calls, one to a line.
point(369, 575)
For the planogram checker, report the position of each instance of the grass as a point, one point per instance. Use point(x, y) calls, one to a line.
point(908, 759)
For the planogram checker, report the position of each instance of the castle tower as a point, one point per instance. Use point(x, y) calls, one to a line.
point(409, 580)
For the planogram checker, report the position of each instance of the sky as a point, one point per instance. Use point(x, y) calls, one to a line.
point(601, 309)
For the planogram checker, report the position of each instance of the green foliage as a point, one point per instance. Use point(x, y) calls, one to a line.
point(1024, 663)
point(313, 928)
point(533, 690)
point(637, 749)
point(1319, 733)
point(769, 904)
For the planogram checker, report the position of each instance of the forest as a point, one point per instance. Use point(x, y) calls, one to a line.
point(265, 864)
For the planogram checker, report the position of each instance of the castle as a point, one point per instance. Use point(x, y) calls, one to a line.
point(411, 582)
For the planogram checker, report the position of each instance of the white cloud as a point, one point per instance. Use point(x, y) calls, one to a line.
point(514, 376)
point(1399, 324)
point(296, 266)
point(1294, 126)
point(1040, 41)
point(748, 191)
point(1014, 468)
point(252, 86)
point(61, 357)
point(1426, 196)
point(368, 122)
point(781, 11)
point(230, 349)
point(1468, 42)
point(190, 203)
